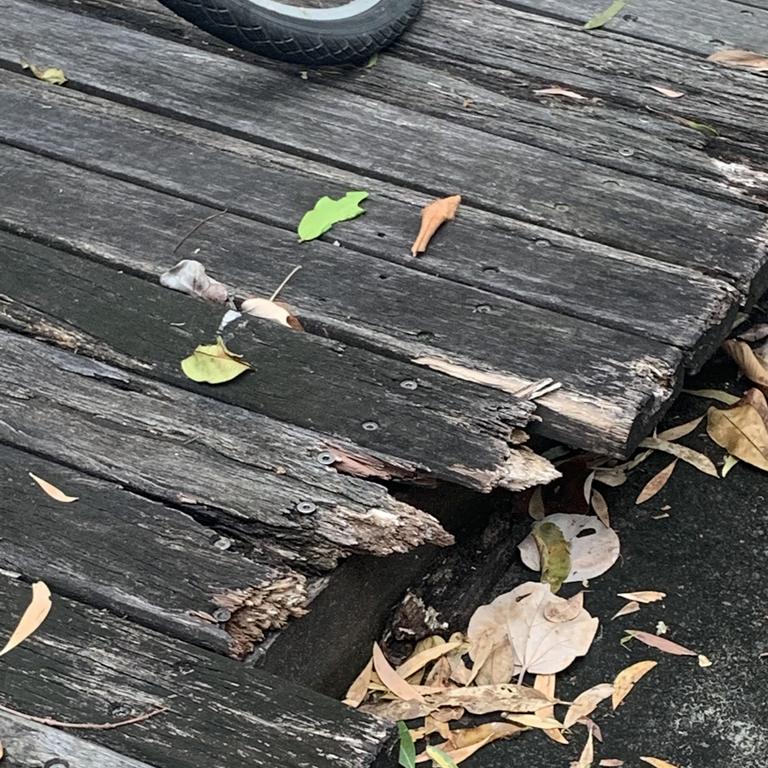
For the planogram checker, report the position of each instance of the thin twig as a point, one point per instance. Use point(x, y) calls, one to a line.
point(84, 726)
point(196, 227)
point(284, 283)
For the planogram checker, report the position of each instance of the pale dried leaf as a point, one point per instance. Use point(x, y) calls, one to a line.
point(396, 684)
point(535, 721)
point(661, 628)
point(555, 90)
point(189, 276)
point(546, 685)
point(433, 216)
point(735, 57)
point(729, 463)
point(681, 430)
point(644, 596)
point(52, 75)
point(656, 483)
point(440, 675)
point(632, 607)
point(594, 546)
point(627, 679)
point(749, 363)
point(481, 735)
point(420, 660)
point(588, 480)
point(611, 762)
point(694, 458)
point(587, 756)
point(662, 643)
point(714, 394)
point(670, 93)
point(271, 310)
point(586, 703)
point(359, 688)
point(35, 614)
point(536, 504)
point(565, 611)
point(704, 661)
point(490, 649)
point(600, 505)
point(742, 432)
point(52, 490)
point(657, 763)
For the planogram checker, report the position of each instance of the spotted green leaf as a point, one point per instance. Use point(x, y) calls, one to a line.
point(328, 212)
point(213, 364)
point(602, 18)
point(554, 553)
point(407, 747)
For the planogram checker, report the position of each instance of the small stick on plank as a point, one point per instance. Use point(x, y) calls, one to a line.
point(196, 227)
point(84, 726)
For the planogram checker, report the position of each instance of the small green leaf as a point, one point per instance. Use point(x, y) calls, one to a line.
point(605, 16)
point(554, 553)
point(440, 758)
point(373, 61)
point(407, 747)
point(213, 364)
point(707, 130)
point(328, 212)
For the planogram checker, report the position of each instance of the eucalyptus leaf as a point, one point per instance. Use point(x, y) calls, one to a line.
point(327, 212)
point(440, 758)
point(407, 757)
point(602, 18)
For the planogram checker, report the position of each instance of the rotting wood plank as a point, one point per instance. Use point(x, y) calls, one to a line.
point(670, 303)
point(419, 151)
point(249, 472)
point(85, 665)
point(614, 384)
point(30, 745)
point(430, 426)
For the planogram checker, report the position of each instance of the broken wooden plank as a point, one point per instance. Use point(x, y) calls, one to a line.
point(256, 475)
point(670, 303)
point(614, 384)
point(85, 665)
point(440, 150)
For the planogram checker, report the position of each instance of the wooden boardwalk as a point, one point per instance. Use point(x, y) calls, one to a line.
point(605, 242)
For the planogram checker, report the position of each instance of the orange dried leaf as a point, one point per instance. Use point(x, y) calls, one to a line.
point(33, 617)
point(52, 490)
point(654, 641)
point(433, 216)
point(749, 363)
point(735, 57)
point(646, 596)
point(626, 679)
point(401, 688)
point(656, 483)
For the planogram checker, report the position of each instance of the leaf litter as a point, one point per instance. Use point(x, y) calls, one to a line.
point(51, 490)
point(433, 216)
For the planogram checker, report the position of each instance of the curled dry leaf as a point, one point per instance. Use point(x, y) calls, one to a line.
point(433, 216)
point(656, 483)
point(546, 685)
point(465, 742)
point(420, 660)
point(735, 57)
point(661, 643)
point(749, 363)
point(214, 364)
point(52, 490)
point(714, 394)
point(586, 703)
point(694, 458)
point(742, 429)
point(35, 614)
point(276, 311)
point(536, 504)
point(681, 430)
point(359, 688)
point(594, 547)
point(670, 93)
point(600, 506)
point(631, 607)
point(555, 90)
point(52, 75)
point(554, 554)
point(627, 679)
point(587, 756)
point(644, 596)
point(567, 610)
point(657, 763)
point(396, 684)
point(189, 276)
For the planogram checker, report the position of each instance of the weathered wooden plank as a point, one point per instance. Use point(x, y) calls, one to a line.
point(670, 303)
point(614, 384)
point(422, 152)
point(258, 476)
point(85, 665)
point(464, 431)
point(31, 745)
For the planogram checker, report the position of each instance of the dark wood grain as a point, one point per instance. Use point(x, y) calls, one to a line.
point(464, 431)
point(85, 665)
point(614, 383)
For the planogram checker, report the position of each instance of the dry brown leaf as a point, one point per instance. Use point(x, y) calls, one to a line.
point(546, 685)
point(611, 762)
point(587, 756)
point(358, 690)
point(681, 430)
point(52, 490)
point(401, 688)
point(32, 618)
point(557, 91)
point(586, 703)
point(272, 310)
point(600, 505)
point(644, 596)
point(694, 458)
point(440, 675)
point(657, 763)
point(189, 276)
point(749, 363)
point(420, 660)
point(662, 643)
point(626, 680)
point(464, 743)
point(735, 57)
point(433, 216)
point(656, 483)
point(668, 92)
point(594, 546)
point(490, 650)
point(631, 607)
point(742, 432)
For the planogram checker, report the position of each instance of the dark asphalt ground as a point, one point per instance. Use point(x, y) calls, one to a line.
point(709, 555)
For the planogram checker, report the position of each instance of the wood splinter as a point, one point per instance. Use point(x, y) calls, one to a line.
point(433, 216)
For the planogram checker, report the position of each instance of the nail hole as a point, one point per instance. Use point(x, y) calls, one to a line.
point(383, 277)
point(490, 269)
point(542, 243)
point(586, 532)
point(425, 335)
point(380, 234)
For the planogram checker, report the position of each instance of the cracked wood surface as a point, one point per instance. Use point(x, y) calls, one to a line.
point(86, 665)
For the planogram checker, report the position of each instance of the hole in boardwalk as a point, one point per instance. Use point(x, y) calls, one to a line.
point(490, 270)
point(425, 335)
point(383, 277)
point(381, 234)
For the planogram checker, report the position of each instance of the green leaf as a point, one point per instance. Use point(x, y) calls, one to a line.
point(605, 16)
point(554, 553)
point(373, 61)
point(707, 130)
point(213, 364)
point(407, 747)
point(440, 758)
point(328, 212)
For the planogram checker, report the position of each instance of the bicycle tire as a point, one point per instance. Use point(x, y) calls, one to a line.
point(316, 37)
